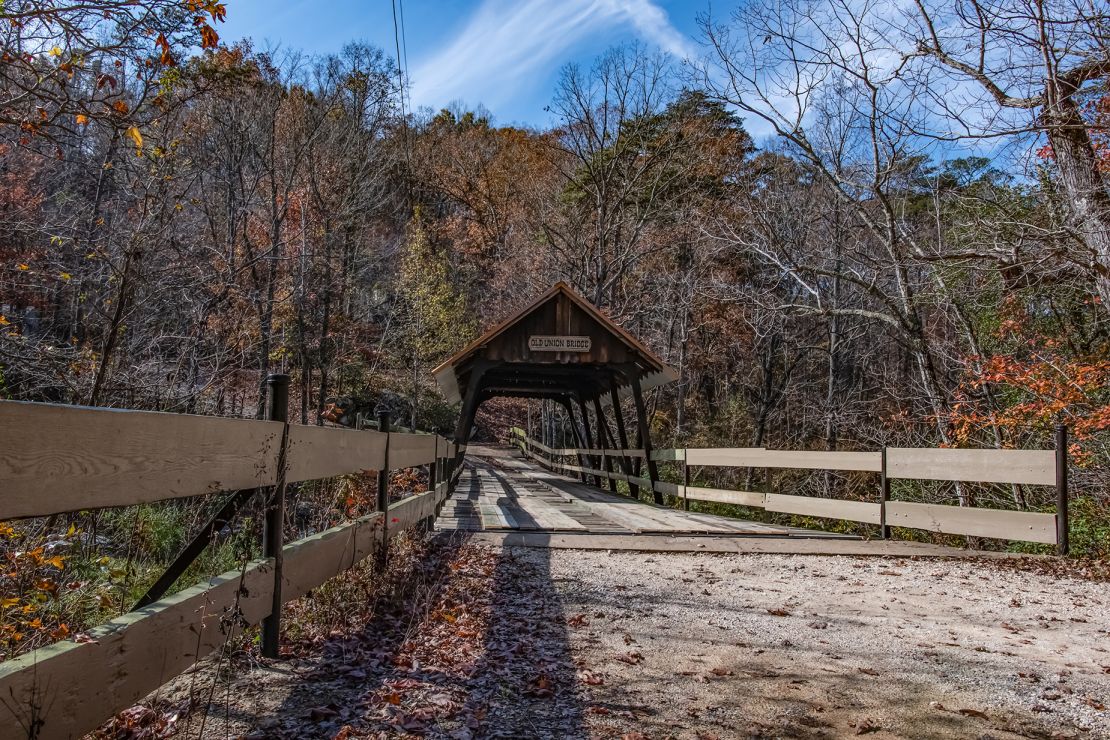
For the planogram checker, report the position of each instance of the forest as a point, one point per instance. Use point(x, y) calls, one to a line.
point(912, 248)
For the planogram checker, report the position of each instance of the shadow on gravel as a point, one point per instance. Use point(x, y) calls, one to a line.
point(472, 644)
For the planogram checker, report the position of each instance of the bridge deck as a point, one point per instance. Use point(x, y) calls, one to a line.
point(499, 492)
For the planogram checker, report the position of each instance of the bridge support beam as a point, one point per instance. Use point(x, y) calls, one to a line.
point(578, 435)
point(622, 438)
point(645, 437)
point(606, 439)
point(589, 437)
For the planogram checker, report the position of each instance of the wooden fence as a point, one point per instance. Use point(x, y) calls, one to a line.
point(58, 459)
point(1025, 467)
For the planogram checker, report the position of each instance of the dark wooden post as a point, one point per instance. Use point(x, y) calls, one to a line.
point(606, 443)
point(581, 440)
point(685, 483)
point(884, 496)
point(1062, 533)
point(645, 437)
point(277, 409)
point(622, 434)
point(383, 489)
point(589, 438)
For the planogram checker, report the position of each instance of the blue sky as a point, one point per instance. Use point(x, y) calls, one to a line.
point(505, 54)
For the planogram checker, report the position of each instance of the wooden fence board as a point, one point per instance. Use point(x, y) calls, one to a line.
point(1037, 467)
point(408, 450)
point(668, 489)
point(751, 457)
point(77, 686)
point(856, 511)
point(668, 454)
point(408, 511)
point(742, 498)
point(309, 562)
point(823, 460)
point(1005, 525)
point(93, 458)
point(747, 457)
point(322, 452)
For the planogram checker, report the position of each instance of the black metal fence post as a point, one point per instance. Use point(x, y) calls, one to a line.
point(277, 409)
point(1062, 544)
point(383, 489)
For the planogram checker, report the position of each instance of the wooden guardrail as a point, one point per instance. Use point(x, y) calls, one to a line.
point(59, 459)
point(1025, 467)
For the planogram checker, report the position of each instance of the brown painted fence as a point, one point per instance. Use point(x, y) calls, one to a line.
point(1026, 467)
point(58, 459)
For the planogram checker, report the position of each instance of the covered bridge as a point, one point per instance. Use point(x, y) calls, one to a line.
point(560, 347)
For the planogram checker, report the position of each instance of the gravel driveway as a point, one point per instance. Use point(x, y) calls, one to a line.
point(701, 646)
point(513, 642)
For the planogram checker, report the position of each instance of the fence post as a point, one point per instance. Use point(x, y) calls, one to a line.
point(685, 483)
point(277, 409)
point(884, 496)
point(383, 488)
point(1062, 544)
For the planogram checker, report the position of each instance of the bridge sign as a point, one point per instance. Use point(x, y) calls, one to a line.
point(559, 344)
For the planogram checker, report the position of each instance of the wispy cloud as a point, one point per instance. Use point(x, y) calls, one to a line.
point(506, 43)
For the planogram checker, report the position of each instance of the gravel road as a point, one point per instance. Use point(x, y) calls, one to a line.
point(493, 642)
point(701, 646)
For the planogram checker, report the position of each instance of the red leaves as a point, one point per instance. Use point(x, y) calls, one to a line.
point(632, 658)
point(590, 678)
point(541, 687)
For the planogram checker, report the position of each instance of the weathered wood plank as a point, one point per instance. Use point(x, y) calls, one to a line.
point(668, 489)
point(409, 450)
point(1037, 467)
point(762, 458)
point(77, 686)
point(668, 454)
point(752, 457)
point(1004, 525)
point(741, 498)
point(323, 452)
point(58, 459)
point(408, 511)
point(309, 562)
point(856, 511)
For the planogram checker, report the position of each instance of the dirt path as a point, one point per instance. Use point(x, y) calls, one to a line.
point(528, 643)
point(802, 646)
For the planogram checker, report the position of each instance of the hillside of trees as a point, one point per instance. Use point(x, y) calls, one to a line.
point(915, 251)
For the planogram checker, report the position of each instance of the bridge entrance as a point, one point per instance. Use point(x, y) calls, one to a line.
point(564, 349)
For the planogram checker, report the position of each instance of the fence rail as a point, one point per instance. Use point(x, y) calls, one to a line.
point(60, 459)
point(1025, 467)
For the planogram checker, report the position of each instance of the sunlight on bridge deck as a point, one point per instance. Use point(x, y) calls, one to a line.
point(500, 492)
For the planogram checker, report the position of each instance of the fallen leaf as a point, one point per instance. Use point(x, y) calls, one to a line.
point(590, 678)
point(866, 726)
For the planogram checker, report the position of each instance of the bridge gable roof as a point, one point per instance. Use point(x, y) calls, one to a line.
point(515, 362)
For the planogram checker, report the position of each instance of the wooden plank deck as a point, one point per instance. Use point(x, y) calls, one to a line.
point(499, 491)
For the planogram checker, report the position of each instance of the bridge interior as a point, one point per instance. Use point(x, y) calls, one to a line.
point(500, 491)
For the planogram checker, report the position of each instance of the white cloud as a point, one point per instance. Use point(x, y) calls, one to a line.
point(505, 43)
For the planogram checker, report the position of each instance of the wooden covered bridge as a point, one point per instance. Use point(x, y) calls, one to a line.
point(615, 483)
